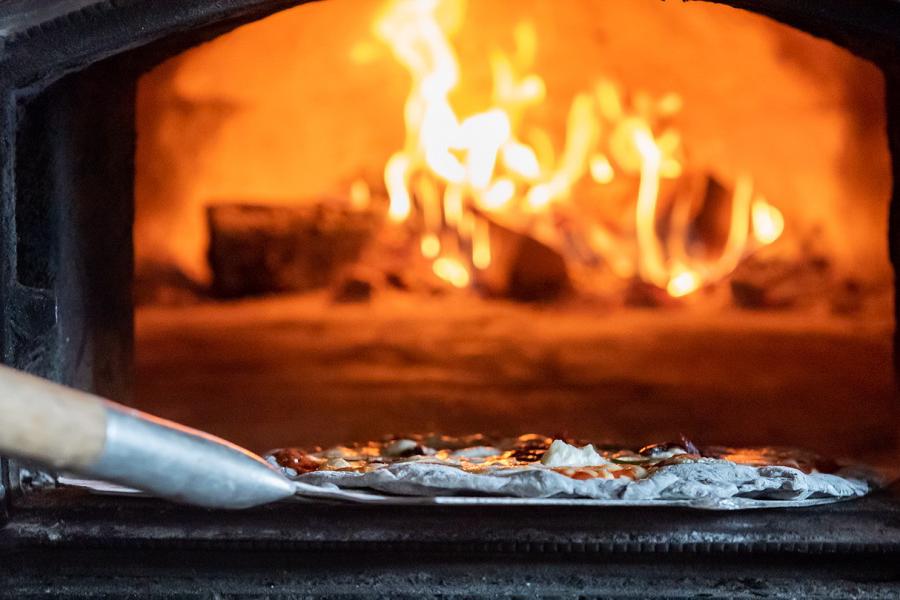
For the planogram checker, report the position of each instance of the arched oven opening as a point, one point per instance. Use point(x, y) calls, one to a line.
point(293, 223)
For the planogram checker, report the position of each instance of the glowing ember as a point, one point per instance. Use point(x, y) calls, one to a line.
point(683, 283)
point(481, 244)
point(455, 172)
point(452, 271)
point(768, 222)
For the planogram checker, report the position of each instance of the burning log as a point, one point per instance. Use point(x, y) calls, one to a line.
point(697, 210)
point(646, 295)
point(357, 284)
point(779, 282)
point(354, 289)
point(259, 249)
point(522, 268)
point(709, 202)
point(848, 297)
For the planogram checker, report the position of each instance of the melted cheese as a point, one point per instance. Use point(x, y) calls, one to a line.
point(561, 454)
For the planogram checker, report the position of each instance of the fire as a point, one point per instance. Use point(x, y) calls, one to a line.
point(455, 173)
point(452, 271)
point(768, 223)
point(684, 283)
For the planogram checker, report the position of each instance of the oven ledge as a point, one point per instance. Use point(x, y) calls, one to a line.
point(130, 545)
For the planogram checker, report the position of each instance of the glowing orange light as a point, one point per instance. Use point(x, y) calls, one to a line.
point(768, 222)
point(430, 245)
point(499, 194)
point(521, 160)
point(651, 260)
point(684, 283)
point(360, 195)
point(601, 169)
point(454, 169)
point(395, 174)
point(453, 205)
point(452, 271)
point(481, 245)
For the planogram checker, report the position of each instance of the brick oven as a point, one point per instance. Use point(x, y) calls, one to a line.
point(652, 219)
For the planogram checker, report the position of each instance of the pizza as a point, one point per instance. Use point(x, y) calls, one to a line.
point(538, 466)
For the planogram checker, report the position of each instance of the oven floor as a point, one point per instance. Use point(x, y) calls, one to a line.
point(302, 371)
point(128, 547)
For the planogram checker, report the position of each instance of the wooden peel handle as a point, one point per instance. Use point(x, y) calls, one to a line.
point(49, 423)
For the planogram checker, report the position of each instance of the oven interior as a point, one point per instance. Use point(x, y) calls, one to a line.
point(615, 221)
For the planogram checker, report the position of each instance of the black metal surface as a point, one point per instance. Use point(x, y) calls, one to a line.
point(868, 28)
point(5, 491)
point(70, 315)
point(892, 91)
point(215, 574)
point(67, 518)
point(129, 547)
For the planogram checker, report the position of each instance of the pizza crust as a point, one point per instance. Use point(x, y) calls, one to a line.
point(684, 479)
point(697, 482)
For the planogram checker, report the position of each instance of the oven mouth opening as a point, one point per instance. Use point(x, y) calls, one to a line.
point(439, 217)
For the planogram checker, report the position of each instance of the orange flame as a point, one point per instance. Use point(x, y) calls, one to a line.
point(453, 167)
point(451, 271)
point(768, 222)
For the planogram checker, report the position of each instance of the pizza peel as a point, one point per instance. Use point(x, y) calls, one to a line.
point(71, 431)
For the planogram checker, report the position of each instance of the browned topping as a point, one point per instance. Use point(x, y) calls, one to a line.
point(772, 456)
point(526, 450)
point(294, 458)
point(654, 450)
point(530, 448)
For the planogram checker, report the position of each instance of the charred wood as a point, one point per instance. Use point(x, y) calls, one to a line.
point(260, 249)
point(522, 268)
